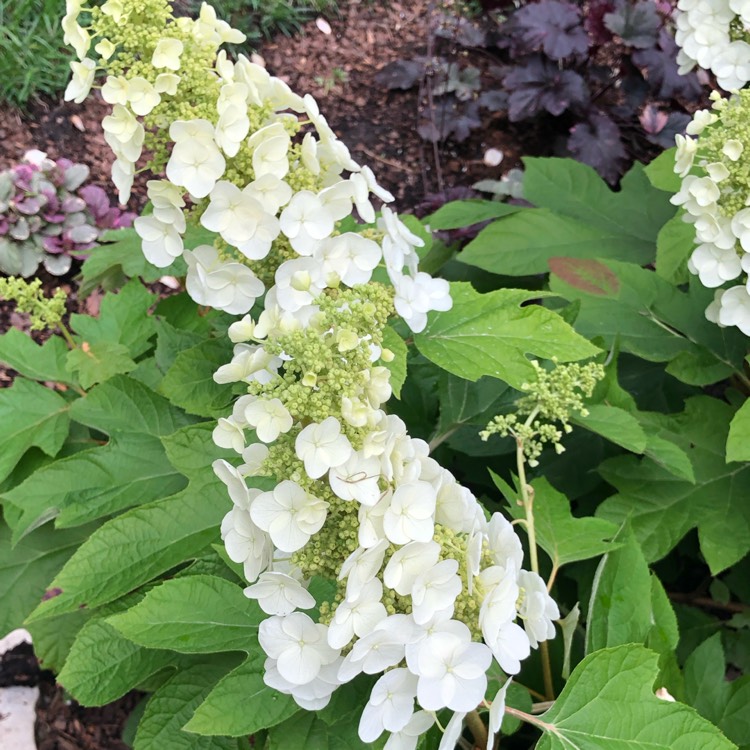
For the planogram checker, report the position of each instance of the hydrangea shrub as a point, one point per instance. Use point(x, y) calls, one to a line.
point(385, 605)
point(49, 215)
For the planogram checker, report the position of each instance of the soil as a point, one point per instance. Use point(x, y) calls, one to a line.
point(63, 724)
point(336, 64)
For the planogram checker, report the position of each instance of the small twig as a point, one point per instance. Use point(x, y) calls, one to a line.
point(708, 603)
point(390, 163)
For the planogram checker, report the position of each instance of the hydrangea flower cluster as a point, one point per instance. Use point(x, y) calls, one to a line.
point(714, 34)
point(715, 194)
point(48, 215)
point(260, 164)
point(429, 592)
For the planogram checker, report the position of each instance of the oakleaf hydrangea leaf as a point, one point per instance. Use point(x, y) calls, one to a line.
point(609, 702)
point(663, 509)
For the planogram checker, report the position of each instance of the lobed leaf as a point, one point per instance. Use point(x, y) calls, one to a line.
point(491, 334)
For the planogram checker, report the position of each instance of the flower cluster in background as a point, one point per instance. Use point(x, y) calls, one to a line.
point(48, 215)
point(261, 166)
point(713, 34)
point(429, 591)
point(715, 195)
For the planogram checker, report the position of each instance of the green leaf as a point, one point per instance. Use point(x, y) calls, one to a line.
point(312, 733)
point(457, 214)
point(31, 415)
point(397, 366)
point(738, 440)
point(721, 702)
point(620, 607)
point(609, 702)
point(130, 470)
point(578, 217)
point(189, 381)
point(661, 174)
point(95, 363)
point(45, 362)
point(126, 405)
point(172, 705)
point(463, 402)
point(522, 244)
point(27, 569)
point(491, 334)
point(120, 258)
point(123, 319)
point(102, 665)
point(170, 341)
point(649, 317)
point(191, 450)
point(241, 703)
point(53, 638)
point(564, 538)
point(674, 245)
point(635, 213)
point(194, 615)
point(616, 425)
point(662, 508)
point(137, 546)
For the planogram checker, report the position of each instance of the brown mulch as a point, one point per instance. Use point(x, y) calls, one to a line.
point(378, 125)
point(61, 723)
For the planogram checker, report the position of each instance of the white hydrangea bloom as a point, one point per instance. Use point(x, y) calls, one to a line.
point(322, 447)
point(167, 54)
point(289, 515)
point(82, 80)
point(391, 704)
point(298, 645)
point(279, 594)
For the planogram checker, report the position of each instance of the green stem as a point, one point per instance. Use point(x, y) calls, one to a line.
point(527, 498)
point(66, 335)
point(477, 728)
point(529, 719)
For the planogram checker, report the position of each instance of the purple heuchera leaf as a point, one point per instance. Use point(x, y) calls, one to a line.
point(451, 118)
point(660, 69)
point(637, 24)
point(540, 85)
point(597, 142)
point(551, 26)
point(400, 74)
point(676, 122)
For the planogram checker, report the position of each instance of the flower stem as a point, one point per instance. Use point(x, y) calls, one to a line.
point(477, 728)
point(529, 719)
point(66, 335)
point(527, 498)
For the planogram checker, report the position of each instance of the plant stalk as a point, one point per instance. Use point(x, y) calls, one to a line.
point(477, 728)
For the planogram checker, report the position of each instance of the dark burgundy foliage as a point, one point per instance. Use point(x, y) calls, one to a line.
point(540, 85)
point(637, 24)
point(659, 65)
point(604, 70)
point(598, 143)
point(549, 26)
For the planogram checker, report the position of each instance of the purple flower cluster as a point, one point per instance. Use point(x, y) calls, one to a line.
point(48, 215)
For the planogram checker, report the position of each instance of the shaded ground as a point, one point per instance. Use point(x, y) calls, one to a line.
point(338, 68)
